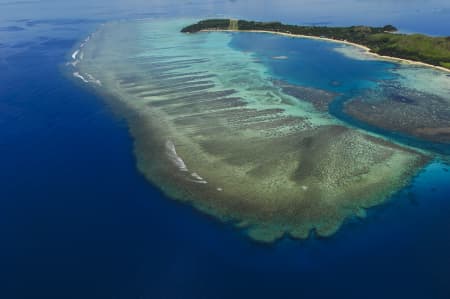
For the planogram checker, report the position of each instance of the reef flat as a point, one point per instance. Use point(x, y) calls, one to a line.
point(214, 129)
point(408, 106)
point(422, 115)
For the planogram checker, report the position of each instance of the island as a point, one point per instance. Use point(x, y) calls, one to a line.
point(383, 41)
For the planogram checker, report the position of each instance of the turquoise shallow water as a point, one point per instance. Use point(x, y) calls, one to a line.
point(78, 221)
point(218, 119)
point(312, 62)
point(318, 64)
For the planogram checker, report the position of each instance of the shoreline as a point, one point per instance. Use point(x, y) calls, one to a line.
point(198, 152)
point(367, 50)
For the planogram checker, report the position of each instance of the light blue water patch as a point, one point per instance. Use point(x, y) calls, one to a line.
point(312, 62)
point(319, 64)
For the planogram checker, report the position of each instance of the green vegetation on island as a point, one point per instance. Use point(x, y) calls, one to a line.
point(380, 40)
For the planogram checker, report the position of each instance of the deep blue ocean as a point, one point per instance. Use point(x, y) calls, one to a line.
point(77, 220)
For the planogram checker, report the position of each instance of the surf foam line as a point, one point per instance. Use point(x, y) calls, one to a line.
point(78, 75)
point(198, 178)
point(75, 54)
point(173, 156)
point(89, 79)
point(93, 79)
point(179, 163)
point(85, 41)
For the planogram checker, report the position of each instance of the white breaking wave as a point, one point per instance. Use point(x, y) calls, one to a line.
point(88, 79)
point(93, 80)
point(85, 41)
point(75, 54)
point(195, 175)
point(77, 74)
point(78, 54)
point(173, 156)
point(199, 180)
point(179, 163)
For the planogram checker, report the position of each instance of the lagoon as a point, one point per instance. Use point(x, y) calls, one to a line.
point(78, 220)
point(215, 128)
